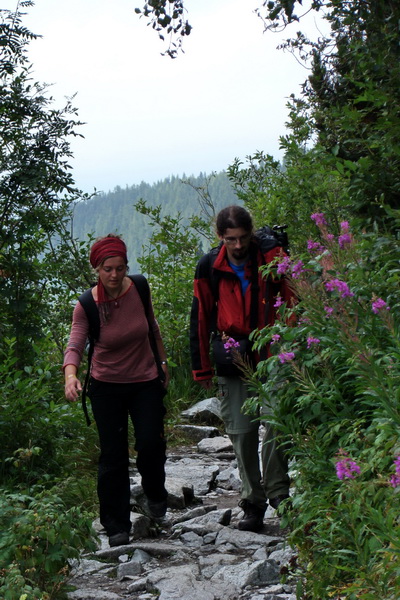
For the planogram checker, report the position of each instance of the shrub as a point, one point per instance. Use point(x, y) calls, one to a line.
point(39, 535)
point(332, 384)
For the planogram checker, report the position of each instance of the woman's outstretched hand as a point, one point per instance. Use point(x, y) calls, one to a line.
point(72, 388)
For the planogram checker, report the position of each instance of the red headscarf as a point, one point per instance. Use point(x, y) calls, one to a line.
point(105, 248)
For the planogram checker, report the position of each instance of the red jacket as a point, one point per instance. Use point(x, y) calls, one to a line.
point(233, 309)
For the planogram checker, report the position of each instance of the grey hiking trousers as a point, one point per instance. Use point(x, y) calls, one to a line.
point(259, 482)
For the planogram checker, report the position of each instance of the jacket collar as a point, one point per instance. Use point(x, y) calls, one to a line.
point(221, 262)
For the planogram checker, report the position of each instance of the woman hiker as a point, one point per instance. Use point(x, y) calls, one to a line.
point(124, 382)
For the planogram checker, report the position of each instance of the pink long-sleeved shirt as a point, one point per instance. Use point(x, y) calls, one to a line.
point(123, 353)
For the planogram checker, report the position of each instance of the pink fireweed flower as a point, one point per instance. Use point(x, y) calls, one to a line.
point(231, 343)
point(278, 302)
point(328, 310)
point(344, 226)
point(395, 479)
point(315, 246)
point(319, 219)
point(304, 321)
point(397, 464)
point(311, 341)
point(344, 240)
point(283, 266)
point(297, 269)
point(347, 468)
point(378, 305)
point(275, 338)
point(329, 237)
point(286, 356)
point(341, 287)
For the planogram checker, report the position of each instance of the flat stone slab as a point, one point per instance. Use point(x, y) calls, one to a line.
point(215, 445)
point(198, 432)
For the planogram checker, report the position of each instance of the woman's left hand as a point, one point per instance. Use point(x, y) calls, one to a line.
point(166, 373)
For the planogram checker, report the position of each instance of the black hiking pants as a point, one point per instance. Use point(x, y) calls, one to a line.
point(112, 405)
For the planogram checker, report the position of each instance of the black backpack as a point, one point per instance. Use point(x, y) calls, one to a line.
point(93, 317)
point(271, 237)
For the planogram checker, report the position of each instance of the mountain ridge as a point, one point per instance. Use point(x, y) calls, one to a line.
point(114, 211)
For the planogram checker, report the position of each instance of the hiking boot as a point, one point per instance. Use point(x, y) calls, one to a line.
point(119, 539)
point(157, 509)
point(275, 502)
point(253, 518)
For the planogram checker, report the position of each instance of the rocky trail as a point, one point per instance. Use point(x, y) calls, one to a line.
point(196, 552)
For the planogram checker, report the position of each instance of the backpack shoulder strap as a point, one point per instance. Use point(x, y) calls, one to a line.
point(92, 314)
point(212, 274)
point(142, 286)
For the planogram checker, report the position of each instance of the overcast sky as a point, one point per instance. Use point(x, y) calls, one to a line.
point(148, 116)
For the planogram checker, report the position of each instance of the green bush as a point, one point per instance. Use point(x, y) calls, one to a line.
point(42, 436)
point(40, 534)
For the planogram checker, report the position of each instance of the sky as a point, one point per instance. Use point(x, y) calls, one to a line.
point(148, 117)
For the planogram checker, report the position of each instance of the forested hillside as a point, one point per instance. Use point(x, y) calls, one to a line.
point(114, 212)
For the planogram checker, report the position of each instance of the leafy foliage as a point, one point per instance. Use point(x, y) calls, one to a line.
point(332, 383)
point(170, 259)
point(288, 193)
point(167, 17)
point(350, 101)
point(40, 435)
point(36, 189)
point(40, 534)
point(41, 267)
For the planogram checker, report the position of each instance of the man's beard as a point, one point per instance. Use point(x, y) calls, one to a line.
point(240, 254)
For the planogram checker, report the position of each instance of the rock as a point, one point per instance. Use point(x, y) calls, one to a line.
point(244, 539)
point(85, 567)
point(194, 472)
point(88, 594)
point(196, 552)
point(229, 479)
point(206, 411)
point(210, 564)
point(141, 556)
point(193, 513)
point(140, 526)
point(198, 432)
point(138, 586)
point(177, 583)
point(250, 573)
point(180, 493)
point(192, 539)
point(282, 556)
point(153, 548)
point(217, 444)
point(202, 524)
point(129, 569)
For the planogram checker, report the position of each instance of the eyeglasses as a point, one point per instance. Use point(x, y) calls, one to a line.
point(243, 239)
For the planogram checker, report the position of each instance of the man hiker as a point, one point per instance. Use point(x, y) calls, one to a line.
point(231, 299)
